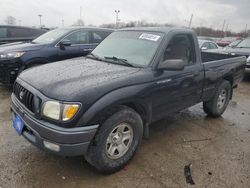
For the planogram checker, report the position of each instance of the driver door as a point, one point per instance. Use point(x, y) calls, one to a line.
point(78, 40)
point(178, 89)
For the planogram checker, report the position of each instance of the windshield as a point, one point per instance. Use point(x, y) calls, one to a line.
point(50, 36)
point(244, 44)
point(235, 43)
point(137, 48)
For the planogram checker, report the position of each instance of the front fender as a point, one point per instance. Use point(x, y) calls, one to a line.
point(131, 94)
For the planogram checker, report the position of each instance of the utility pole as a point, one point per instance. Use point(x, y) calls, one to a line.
point(226, 30)
point(40, 19)
point(117, 18)
point(190, 22)
point(246, 31)
point(223, 26)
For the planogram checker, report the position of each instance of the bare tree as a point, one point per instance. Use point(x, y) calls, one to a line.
point(79, 22)
point(10, 20)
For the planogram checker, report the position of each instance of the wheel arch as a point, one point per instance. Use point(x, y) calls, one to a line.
point(35, 61)
point(230, 79)
point(110, 103)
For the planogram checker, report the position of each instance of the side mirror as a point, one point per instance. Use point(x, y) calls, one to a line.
point(204, 48)
point(172, 64)
point(64, 43)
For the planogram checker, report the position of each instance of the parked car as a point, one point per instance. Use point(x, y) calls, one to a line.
point(55, 45)
point(10, 34)
point(227, 40)
point(100, 106)
point(242, 49)
point(207, 45)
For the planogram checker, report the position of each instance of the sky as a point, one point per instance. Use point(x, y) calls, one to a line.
point(207, 13)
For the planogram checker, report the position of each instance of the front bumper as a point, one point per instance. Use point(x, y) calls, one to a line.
point(9, 70)
point(71, 141)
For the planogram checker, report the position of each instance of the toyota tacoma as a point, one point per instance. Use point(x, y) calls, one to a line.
point(100, 106)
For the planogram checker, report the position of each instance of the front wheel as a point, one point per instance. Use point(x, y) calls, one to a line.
point(116, 141)
point(218, 104)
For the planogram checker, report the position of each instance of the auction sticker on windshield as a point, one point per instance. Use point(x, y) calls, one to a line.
point(151, 37)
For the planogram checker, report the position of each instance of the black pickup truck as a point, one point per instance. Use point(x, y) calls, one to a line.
point(100, 106)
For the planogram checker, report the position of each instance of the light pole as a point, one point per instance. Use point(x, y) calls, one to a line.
point(40, 19)
point(117, 18)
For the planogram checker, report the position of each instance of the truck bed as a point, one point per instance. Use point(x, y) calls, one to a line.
point(219, 66)
point(212, 56)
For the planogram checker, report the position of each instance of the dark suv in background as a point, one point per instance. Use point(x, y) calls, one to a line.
point(9, 34)
point(55, 45)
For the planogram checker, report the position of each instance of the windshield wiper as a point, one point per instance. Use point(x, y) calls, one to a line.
point(94, 56)
point(242, 47)
point(120, 60)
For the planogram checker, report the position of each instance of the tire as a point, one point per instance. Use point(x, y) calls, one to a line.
point(122, 124)
point(218, 104)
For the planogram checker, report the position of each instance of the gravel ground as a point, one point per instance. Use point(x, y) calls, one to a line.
point(218, 149)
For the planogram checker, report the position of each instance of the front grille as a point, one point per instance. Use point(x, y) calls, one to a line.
point(24, 96)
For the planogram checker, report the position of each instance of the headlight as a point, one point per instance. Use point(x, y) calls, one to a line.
point(248, 59)
point(11, 55)
point(59, 111)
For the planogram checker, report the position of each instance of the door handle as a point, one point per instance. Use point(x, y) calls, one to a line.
point(87, 49)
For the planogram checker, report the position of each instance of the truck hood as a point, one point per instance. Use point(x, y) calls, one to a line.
point(236, 51)
point(70, 80)
point(15, 47)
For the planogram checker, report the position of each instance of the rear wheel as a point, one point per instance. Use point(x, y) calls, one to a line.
point(116, 141)
point(218, 104)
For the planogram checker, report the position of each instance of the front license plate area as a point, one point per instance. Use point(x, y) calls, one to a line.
point(18, 124)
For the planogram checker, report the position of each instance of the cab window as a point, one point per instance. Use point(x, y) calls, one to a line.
point(78, 37)
point(3, 32)
point(19, 32)
point(213, 46)
point(206, 45)
point(98, 36)
point(181, 47)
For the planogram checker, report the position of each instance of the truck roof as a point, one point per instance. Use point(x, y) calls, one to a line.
point(83, 27)
point(157, 29)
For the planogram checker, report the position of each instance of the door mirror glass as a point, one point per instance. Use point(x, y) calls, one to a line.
point(172, 64)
